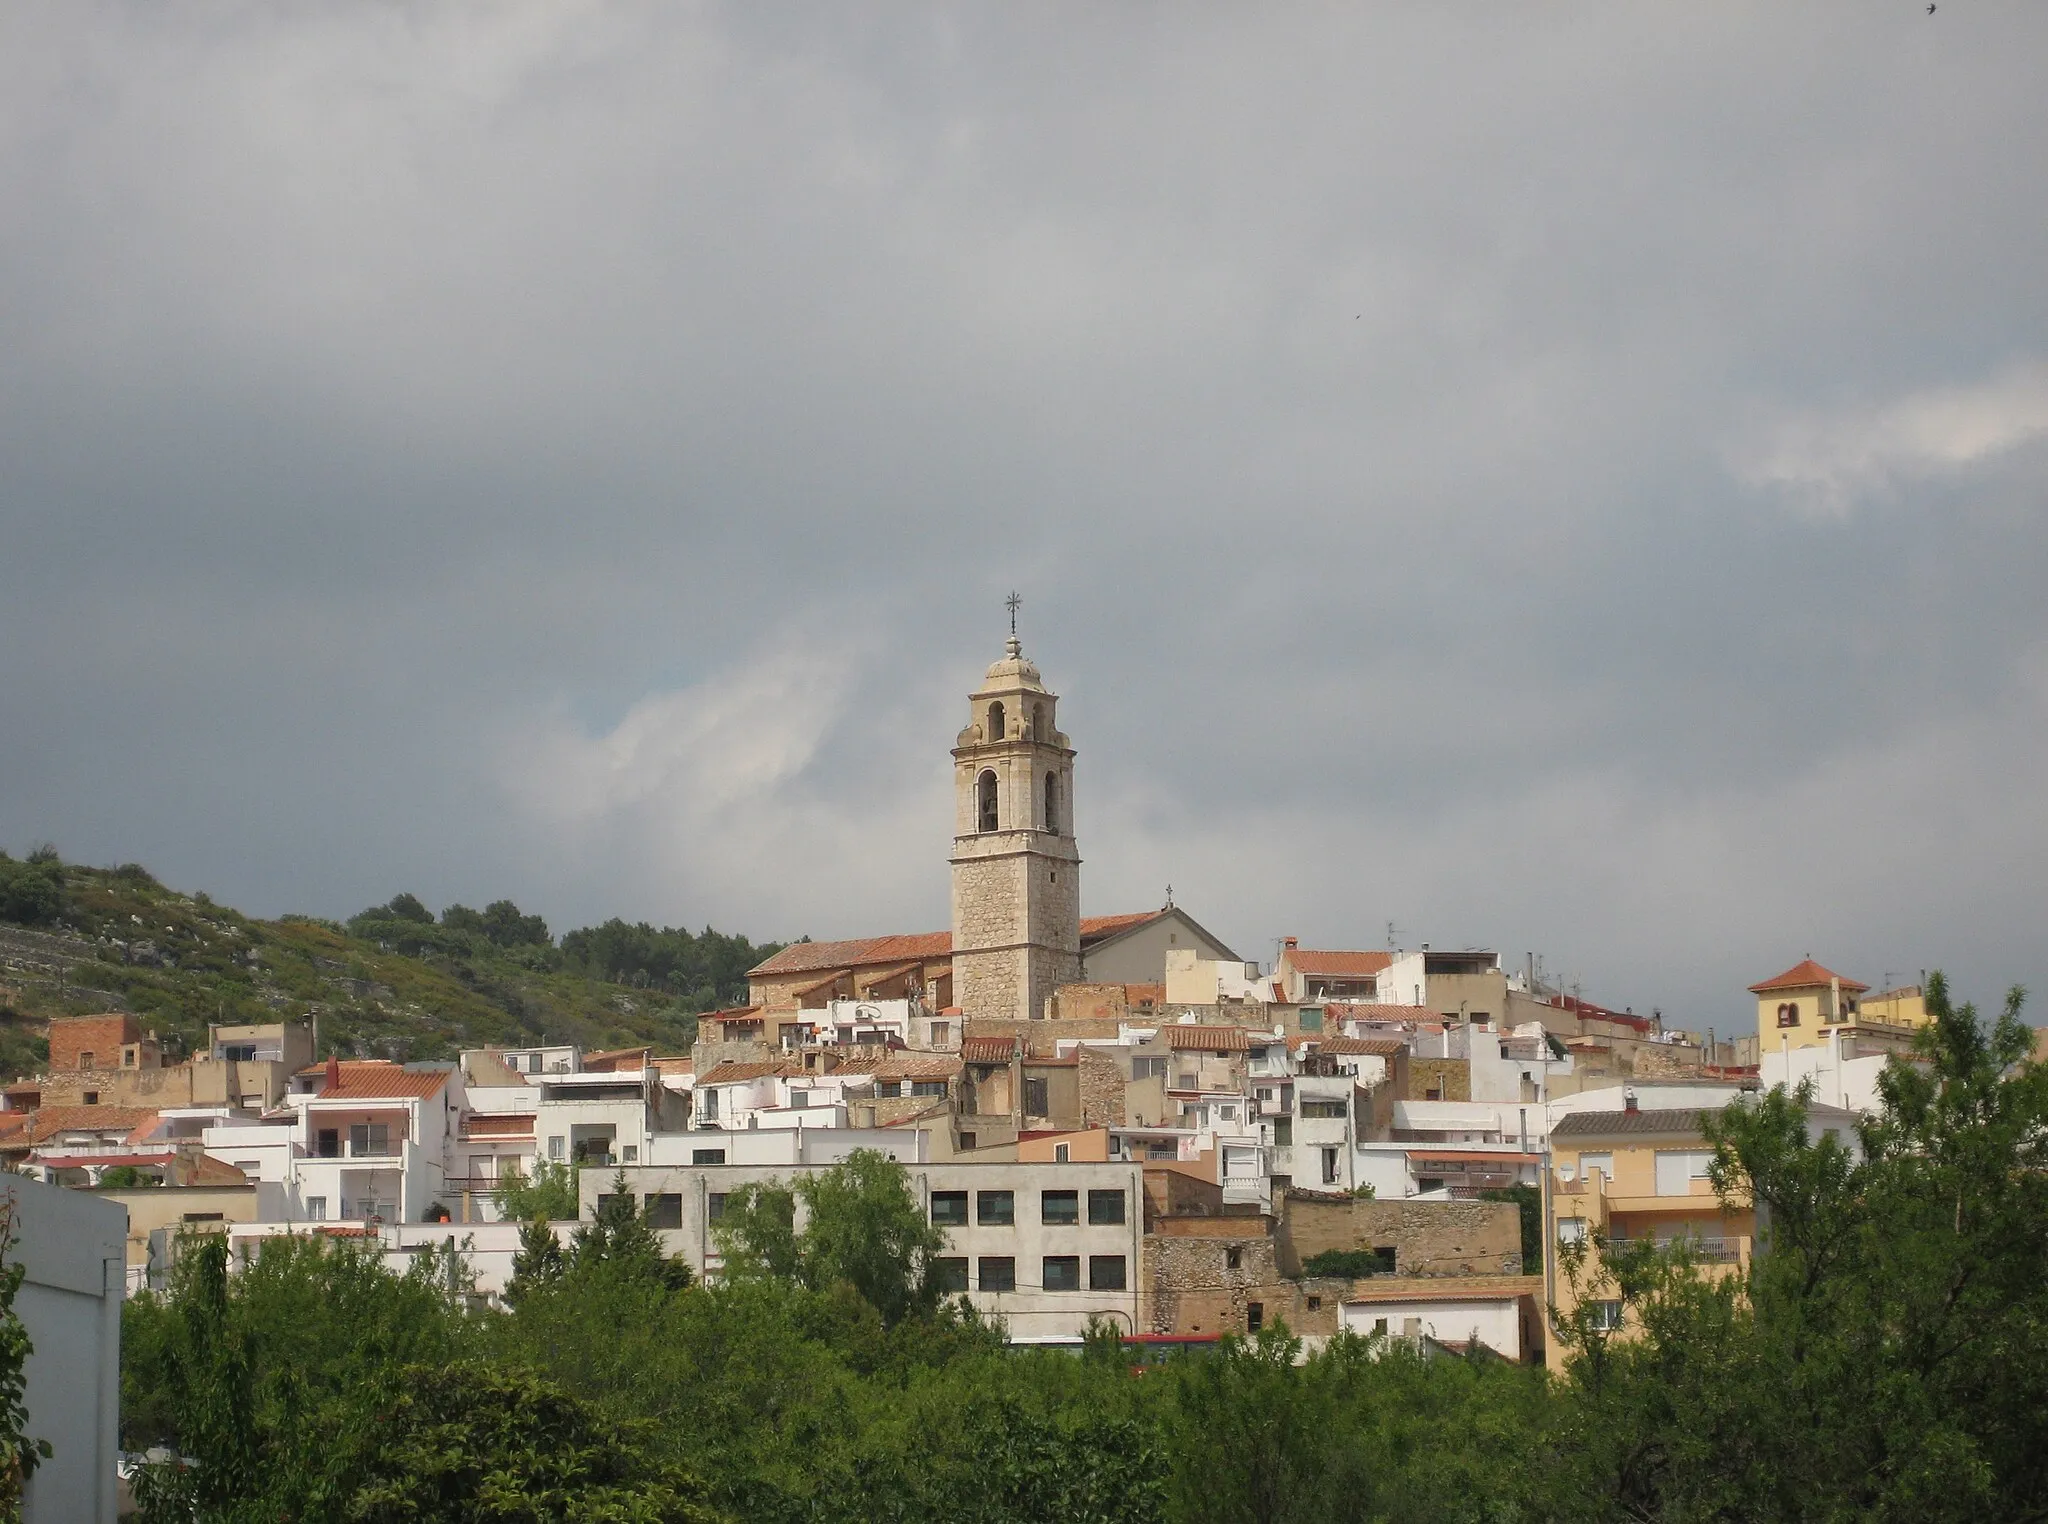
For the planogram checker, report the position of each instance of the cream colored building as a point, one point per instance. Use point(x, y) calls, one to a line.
point(1805, 1007)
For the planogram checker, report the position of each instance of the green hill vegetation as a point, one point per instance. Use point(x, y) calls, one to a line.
point(395, 981)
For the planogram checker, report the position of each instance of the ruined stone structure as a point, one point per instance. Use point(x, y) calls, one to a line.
point(1016, 869)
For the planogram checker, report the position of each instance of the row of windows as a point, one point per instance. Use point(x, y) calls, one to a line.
point(1056, 1272)
point(987, 816)
point(998, 1209)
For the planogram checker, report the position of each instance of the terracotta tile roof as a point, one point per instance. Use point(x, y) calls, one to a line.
point(134, 1122)
point(596, 1063)
point(1378, 1047)
point(1805, 975)
point(384, 1082)
point(988, 1050)
point(1209, 1039)
point(1362, 1011)
point(1337, 963)
point(517, 1125)
point(803, 957)
point(736, 1013)
point(1099, 928)
point(734, 1072)
point(911, 947)
point(676, 1065)
point(1668, 1121)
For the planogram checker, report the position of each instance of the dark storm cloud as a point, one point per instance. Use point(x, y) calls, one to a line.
point(1568, 482)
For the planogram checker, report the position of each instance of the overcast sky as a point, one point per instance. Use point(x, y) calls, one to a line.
point(1560, 478)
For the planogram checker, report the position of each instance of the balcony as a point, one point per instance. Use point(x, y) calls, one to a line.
point(1705, 1251)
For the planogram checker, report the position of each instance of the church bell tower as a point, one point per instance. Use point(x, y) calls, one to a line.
point(1016, 870)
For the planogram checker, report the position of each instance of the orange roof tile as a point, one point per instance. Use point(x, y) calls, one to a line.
point(133, 1122)
point(1805, 974)
point(1379, 1012)
point(911, 947)
point(592, 1061)
point(1378, 1047)
point(1336, 962)
point(1208, 1039)
point(734, 1072)
point(988, 1050)
point(384, 1082)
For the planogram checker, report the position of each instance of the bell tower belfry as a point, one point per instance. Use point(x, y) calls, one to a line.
point(1016, 869)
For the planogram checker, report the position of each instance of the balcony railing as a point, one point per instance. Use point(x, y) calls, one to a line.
point(1707, 1251)
point(350, 1150)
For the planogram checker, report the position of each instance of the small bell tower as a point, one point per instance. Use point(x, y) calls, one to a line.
point(1016, 868)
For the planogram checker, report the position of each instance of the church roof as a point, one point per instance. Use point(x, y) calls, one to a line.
point(914, 947)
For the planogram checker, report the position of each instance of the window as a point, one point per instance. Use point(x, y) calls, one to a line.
point(316, 1209)
point(997, 730)
point(1254, 1316)
point(985, 801)
point(1602, 1162)
point(1148, 1068)
point(967, 1140)
point(949, 1209)
point(942, 1033)
point(664, 1210)
point(1329, 1166)
point(710, 1106)
point(1605, 1316)
point(632, 1153)
point(705, 1155)
point(327, 1144)
point(1233, 1259)
point(1379, 1325)
point(714, 1206)
point(800, 1099)
point(85, 1059)
point(239, 1052)
point(1161, 1148)
point(1040, 731)
point(92, 1098)
point(1034, 1098)
point(1052, 803)
point(1062, 1153)
point(998, 1272)
point(1105, 1208)
point(1059, 1208)
point(949, 1273)
point(1283, 1132)
point(1323, 1110)
point(1105, 1272)
point(995, 1209)
point(928, 1087)
point(368, 1140)
point(606, 1200)
point(1571, 1230)
point(1678, 1168)
point(1315, 1304)
point(128, 1057)
point(1788, 1013)
point(556, 1146)
point(1061, 1272)
point(889, 1090)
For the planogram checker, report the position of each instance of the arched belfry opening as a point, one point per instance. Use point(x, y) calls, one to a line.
point(1040, 731)
point(996, 732)
point(1052, 803)
point(985, 800)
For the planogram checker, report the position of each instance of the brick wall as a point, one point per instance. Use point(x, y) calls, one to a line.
point(71, 1037)
point(1429, 1238)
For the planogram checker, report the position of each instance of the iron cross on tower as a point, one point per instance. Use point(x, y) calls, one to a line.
point(1013, 603)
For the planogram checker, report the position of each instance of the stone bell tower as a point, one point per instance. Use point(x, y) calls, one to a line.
point(1016, 870)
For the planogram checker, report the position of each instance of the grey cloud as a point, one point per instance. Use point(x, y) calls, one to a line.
point(1403, 425)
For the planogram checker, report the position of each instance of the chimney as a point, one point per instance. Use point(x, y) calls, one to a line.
point(333, 1076)
point(1290, 943)
point(1628, 1100)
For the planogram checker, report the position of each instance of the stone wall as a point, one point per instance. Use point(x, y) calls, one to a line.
point(1102, 1090)
point(1189, 1284)
point(1454, 1075)
point(1429, 1238)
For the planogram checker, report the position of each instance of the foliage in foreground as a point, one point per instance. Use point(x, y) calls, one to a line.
point(1883, 1360)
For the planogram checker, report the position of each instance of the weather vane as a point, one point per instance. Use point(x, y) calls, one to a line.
point(1013, 603)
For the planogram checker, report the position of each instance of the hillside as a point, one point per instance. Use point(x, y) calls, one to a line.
point(394, 982)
